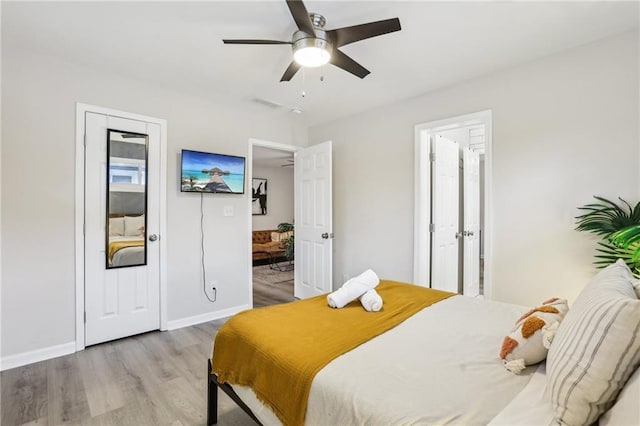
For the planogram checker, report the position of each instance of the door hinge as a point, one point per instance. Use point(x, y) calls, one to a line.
point(432, 156)
point(85, 140)
point(85, 317)
point(432, 227)
point(84, 229)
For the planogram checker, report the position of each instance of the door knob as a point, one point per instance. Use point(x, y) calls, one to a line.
point(459, 235)
point(153, 237)
point(325, 236)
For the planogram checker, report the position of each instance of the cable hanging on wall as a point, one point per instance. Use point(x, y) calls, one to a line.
point(204, 272)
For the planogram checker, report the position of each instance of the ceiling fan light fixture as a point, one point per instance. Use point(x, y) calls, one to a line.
point(313, 45)
point(311, 52)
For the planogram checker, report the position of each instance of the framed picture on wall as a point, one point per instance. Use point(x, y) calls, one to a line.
point(259, 196)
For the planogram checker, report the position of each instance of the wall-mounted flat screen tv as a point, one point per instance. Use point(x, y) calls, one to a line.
point(212, 173)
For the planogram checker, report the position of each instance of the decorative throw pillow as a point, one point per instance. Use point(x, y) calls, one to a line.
point(281, 236)
point(636, 284)
point(529, 341)
point(275, 237)
point(596, 349)
point(116, 226)
point(134, 226)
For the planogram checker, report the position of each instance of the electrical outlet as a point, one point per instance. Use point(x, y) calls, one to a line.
point(212, 293)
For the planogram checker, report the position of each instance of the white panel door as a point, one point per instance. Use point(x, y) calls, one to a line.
point(313, 221)
point(471, 233)
point(445, 215)
point(122, 301)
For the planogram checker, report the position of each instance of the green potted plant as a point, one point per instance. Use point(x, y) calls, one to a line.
point(289, 242)
point(619, 228)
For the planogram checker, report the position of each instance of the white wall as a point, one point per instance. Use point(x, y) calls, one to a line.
point(565, 128)
point(38, 103)
point(0, 204)
point(279, 197)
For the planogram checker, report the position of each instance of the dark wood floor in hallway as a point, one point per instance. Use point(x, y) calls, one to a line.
point(156, 378)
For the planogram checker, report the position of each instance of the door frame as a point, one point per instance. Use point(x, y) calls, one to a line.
point(422, 195)
point(81, 110)
point(264, 144)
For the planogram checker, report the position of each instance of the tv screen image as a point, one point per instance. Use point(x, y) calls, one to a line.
point(214, 173)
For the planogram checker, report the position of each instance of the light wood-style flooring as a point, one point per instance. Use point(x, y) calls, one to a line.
point(156, 378)
point(271, 286)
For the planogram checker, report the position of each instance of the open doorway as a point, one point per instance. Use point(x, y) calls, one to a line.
point(469, 140)
point(272, 223)
point(452, 209)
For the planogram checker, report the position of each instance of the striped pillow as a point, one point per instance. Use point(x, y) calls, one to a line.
point(596, 348)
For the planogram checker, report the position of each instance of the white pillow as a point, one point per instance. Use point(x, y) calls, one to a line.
point(596, 348)
point(134, 226)
point(281, 236)
point(116, 226)
point(636, 284)
point(275, 237)
point(626, 410)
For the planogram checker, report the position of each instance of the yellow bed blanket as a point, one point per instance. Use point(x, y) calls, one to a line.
point(115, 246)
point(278, 350)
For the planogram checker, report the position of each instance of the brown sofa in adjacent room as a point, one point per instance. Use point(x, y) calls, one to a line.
point(263, 240)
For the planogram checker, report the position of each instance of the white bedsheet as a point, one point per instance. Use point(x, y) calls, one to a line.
point(441, 366)
point(531, 407)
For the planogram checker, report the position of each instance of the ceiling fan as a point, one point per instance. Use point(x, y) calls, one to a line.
point(314, 46)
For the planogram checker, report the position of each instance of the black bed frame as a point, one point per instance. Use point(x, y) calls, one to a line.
point(212, 398)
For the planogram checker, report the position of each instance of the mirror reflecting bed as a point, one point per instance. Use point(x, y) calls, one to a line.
point(126, 199)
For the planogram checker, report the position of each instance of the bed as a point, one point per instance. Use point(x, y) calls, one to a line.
point(125, 251)
point(126, 240)
point(438, 366)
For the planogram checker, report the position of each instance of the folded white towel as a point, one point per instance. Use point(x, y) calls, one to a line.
point(353, 289)
point(371, 301)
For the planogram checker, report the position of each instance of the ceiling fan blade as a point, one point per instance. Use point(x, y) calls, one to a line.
point(291, 71)
point(226, 41)
point(342, 36)
point(301, 16)
point(343, 61)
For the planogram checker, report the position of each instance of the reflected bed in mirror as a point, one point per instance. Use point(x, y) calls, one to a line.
point(126, 241)
point(126, 199)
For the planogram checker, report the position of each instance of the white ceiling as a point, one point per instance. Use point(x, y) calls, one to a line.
point(178, 45)
point(267, 157)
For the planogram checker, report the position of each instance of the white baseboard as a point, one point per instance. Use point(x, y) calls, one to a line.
point(209, 316)
point(18, 360)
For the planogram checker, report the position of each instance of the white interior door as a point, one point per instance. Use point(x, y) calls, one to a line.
point(313, 221)
point(471, 233)
point(121, 299)
point(445, 214)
